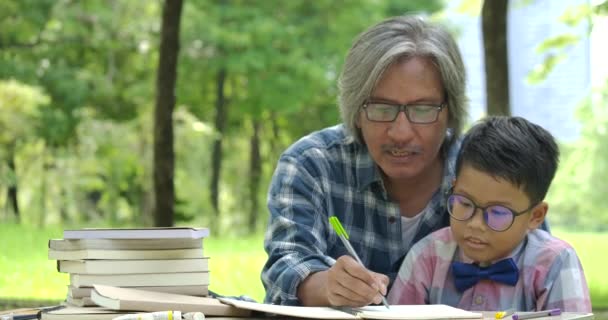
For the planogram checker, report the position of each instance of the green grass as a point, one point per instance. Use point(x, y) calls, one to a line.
point(26, 273)
point(591, 250)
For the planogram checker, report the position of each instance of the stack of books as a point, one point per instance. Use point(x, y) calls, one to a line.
point(156, 259)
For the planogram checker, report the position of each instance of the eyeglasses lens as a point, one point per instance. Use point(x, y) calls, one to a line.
point(498, 218)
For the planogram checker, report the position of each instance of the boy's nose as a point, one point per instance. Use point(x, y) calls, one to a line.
point(477, 220)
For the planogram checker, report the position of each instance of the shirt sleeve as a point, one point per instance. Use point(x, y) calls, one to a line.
point(565, 286)
point(296, 236)
point(415, 275)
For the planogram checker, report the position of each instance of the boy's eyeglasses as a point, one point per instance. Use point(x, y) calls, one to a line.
point(415, 113)
point(497, 217)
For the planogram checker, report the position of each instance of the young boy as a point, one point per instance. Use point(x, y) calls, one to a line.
point(493, 257)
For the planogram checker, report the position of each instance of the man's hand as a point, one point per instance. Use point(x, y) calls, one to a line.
point(346, 283)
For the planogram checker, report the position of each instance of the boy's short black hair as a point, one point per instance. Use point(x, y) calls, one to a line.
point(514, 149)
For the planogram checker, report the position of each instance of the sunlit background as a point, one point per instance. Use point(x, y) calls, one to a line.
point(78, 97)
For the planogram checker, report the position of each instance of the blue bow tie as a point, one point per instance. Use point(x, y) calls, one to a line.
point(467, 275)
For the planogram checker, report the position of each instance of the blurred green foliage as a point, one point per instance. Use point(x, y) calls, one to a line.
point(86, 155)
point(81, 134)
point(577, 197)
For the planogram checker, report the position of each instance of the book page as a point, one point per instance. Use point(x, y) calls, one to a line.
point(414, 312)
point(371, 312)
point(143, 300)
point(300, 312)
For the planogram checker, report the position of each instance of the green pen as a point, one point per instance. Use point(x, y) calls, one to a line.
point(335, 223)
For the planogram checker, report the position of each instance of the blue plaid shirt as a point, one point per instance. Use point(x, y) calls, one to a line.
point(328, 173)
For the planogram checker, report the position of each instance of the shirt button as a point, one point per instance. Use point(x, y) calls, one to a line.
point(392, 220)
point(479, 300)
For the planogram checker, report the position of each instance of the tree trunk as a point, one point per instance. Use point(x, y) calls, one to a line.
point(220, 124)
point(494, 28)
point(12, 192)
point(43, 187)
point(255, 173)
point(145, 216)
point(275, 145)
point(62, 157)
point(164, 155)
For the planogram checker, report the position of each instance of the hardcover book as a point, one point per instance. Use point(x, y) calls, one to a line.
point(140, 280)
point(132, 266)
point(125, 254)
point(125, 244)
point(136, 233)
point(80, 302)
point(81, 313)
point(190, 290)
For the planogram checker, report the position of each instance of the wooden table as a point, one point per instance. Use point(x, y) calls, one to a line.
point(486, 315)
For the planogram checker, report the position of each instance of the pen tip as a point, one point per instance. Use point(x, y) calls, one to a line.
point(385, 303)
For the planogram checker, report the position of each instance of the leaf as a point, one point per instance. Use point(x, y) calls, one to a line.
point(470, 7)
point(540, 72)
point(558, 42)
point(575, 14)
point(601, 9)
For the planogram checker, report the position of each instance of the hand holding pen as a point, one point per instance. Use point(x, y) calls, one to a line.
point(356, 272)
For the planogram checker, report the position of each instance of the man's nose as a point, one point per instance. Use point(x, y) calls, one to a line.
point(401, 128)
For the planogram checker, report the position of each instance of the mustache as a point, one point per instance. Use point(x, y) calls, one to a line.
point(407, 148)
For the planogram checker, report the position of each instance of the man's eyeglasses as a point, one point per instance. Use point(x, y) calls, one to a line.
point(415, 113)
point(497, 217)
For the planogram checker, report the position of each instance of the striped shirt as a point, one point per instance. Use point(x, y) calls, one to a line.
point(328, 173)
point(550, 276)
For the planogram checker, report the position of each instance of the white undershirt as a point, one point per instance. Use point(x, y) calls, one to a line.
point(409, 226)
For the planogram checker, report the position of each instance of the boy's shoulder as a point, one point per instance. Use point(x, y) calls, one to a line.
point(544, 240)
point(543, 246)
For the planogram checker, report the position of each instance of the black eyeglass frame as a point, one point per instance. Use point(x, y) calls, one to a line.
point(404, 108)
point(484, 211)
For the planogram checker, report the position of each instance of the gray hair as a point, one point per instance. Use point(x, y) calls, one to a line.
point(384, 44)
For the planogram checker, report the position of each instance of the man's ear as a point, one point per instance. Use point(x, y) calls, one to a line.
point(538, 214)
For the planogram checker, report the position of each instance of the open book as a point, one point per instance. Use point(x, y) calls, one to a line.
point(396, 312)
point(133, 299)
point(116, 298)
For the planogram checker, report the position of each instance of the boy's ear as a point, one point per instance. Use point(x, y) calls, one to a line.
point(538, 215)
